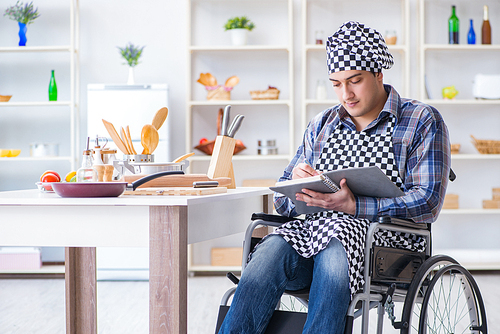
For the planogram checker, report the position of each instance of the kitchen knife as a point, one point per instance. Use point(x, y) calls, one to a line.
point(235, 125)
point(225, 120)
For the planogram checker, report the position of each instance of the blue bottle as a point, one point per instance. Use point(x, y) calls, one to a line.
point(471, 36)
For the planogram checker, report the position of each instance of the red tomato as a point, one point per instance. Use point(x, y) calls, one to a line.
point(203, 140)
point(51, 172)
point(50, 177)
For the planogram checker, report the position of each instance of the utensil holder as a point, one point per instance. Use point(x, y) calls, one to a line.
point(221, 164)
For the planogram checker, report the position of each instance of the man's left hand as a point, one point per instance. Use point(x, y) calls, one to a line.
point(342, 200)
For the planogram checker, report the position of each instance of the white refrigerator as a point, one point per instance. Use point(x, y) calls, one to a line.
point(135, 106)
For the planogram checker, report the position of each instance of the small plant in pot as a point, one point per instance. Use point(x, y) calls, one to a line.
point(23, 15)
point(239, 27)
point(131, 54)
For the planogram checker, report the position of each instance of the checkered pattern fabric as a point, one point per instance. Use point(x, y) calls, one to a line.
point(344, 149)
point(357, 47)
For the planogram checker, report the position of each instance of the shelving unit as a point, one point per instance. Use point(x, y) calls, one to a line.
point(208, 51)
point(72, 104)
point(469, 234)
point(313, 55)
point(266, 60)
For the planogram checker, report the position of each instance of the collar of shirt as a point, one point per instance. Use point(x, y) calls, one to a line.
point(391, 107)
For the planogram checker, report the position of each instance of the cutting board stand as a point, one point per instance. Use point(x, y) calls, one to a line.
point(221, 164)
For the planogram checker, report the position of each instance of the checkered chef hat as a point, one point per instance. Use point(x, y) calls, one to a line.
point(356, 47)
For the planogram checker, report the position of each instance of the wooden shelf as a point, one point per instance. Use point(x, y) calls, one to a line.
point(209, 268)
point(461, 47)
point(470, 212)
point(35, 104)
point(322, 47)
point(460, 102)
point(239, 48)
point(58, 158)
point(61, 48)
point(239, 102)
point(460, 156)
point(245, 157)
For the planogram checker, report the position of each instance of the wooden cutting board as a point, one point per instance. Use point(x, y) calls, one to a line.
point(176, 191)
point(176, 180)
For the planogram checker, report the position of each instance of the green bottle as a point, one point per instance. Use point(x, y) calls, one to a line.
point(453, 27)
point(52, 88)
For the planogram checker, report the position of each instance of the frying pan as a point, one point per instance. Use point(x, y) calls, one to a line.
point(103, 189)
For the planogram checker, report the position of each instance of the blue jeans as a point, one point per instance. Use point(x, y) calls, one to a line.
point(276, 266)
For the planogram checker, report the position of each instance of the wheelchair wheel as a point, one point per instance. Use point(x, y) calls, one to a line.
point(452, 303)
point(417, 289)
point(430, 298)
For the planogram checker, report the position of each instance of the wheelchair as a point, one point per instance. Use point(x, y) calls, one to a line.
point(438, 295)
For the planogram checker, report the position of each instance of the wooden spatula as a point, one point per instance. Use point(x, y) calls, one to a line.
point(115, 136)
point(183, 157)
point(149, 139)
point(160, 117)
point(124, 140)
point(129, 140)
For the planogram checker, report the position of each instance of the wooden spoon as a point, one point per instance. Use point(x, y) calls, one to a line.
point(183, 157)
point(211, 80)
point(203, 79)
point(160, 117)
point(232, 81)
point(115, 136)
point(149, 139)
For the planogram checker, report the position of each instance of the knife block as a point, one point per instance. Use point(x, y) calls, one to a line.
point(221, 164)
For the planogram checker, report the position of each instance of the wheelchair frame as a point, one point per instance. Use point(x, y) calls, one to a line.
point(374, 294)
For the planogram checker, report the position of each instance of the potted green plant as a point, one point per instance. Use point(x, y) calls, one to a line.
point(239, 27)
point(131, 54)
point(23, 15)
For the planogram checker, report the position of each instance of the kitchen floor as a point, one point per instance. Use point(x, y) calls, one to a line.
point(36, 306)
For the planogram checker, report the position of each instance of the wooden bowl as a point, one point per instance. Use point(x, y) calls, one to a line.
point(5, 98)
point(208, 147)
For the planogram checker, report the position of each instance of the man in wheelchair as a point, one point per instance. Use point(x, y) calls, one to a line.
point(372, 126)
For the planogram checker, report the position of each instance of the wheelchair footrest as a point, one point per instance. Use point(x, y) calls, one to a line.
point(390, 265)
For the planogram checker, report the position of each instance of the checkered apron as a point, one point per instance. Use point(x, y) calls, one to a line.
point(347, 149)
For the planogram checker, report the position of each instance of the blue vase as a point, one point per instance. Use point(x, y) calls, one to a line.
point(22, 34)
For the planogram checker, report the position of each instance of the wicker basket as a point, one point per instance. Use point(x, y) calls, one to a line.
point(455, 148)
point(268, 94)
point(486, 146)
point(5, 98)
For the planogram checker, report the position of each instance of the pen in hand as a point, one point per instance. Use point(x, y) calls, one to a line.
point(304, 170)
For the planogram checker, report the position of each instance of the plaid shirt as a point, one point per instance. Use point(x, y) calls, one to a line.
point(421, 149)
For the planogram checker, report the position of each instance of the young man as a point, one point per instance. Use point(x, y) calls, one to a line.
point(372, 126)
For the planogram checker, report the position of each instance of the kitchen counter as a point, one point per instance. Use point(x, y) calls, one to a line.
point(165, 224)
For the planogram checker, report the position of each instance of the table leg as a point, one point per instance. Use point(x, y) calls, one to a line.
point(81, 294)
point(168, 270)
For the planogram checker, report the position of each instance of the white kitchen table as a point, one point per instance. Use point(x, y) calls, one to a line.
point(164, 223)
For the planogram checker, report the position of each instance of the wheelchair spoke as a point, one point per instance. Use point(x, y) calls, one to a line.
point(448, 305)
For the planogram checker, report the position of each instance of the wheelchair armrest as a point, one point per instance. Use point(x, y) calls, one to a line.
point(402, 222)
point(272, 218)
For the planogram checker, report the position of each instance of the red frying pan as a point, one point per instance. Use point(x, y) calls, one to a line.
point(103, 189)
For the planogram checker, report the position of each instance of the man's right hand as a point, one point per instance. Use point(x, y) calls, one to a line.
point(303, 170)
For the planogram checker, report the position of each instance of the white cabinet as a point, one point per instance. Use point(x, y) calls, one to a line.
point(25, 71)
point(321, 18)
point(266, 60)
point(471, 233)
